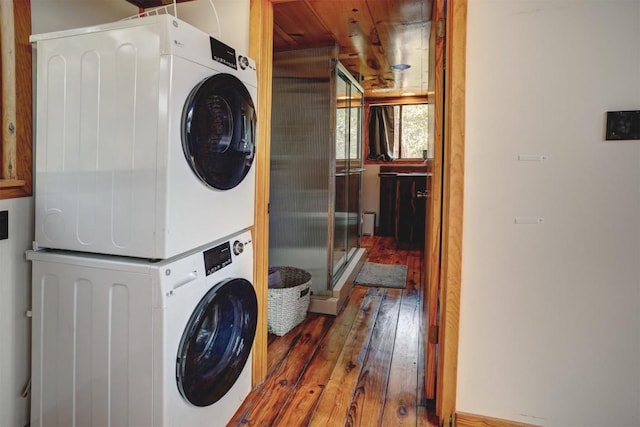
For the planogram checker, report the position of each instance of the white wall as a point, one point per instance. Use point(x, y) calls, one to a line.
point(15, 277)
point(15, 346)
point(370, 199)
point(56, 15)
point(233, 16)
point(550, 313)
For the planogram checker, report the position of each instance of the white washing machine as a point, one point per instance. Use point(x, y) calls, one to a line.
point(131, 342)
point(145, 138)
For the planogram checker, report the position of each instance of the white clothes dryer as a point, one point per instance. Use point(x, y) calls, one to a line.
point(145, 138)
point(131, 342)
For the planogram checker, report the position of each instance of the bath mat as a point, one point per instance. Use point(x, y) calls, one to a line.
point(385, 275)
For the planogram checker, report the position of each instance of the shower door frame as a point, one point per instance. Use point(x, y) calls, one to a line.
point(340, 74)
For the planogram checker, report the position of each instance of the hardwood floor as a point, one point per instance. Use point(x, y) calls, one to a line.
point(364, 367)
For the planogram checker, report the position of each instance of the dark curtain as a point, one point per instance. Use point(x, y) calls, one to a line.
point(381, 133)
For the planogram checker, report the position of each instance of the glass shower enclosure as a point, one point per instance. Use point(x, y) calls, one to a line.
point(316, 169)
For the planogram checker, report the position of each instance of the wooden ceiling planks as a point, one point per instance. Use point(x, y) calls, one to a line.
point(296, 25)
point(404, 27)
point(372, 35)
point(355, 32)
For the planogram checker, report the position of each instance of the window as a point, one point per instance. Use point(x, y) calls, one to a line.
point(15, 108)
point(410, 131)
point(398, 132)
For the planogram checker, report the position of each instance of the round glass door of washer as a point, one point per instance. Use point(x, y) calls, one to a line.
point(217, 341)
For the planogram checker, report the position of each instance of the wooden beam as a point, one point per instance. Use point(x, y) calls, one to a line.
point(286, 38)
point(400, 100)
point(21, 185)
point(12, 183)
point(8, 52)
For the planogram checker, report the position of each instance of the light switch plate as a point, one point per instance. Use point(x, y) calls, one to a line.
point(623, 125)
point(4, 225)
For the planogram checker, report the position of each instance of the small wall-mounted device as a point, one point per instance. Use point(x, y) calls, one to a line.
point(623, 125)
point(4, 225)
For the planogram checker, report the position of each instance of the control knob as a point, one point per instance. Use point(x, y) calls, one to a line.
point(238, 247)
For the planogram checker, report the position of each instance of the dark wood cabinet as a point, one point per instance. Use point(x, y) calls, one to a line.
point(410, 208)
point(403, 200)
point(387, 204)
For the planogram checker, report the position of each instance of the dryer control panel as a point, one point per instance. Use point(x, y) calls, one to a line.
point(223, 54)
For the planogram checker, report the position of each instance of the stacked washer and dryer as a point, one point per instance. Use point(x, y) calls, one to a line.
point(144, 311)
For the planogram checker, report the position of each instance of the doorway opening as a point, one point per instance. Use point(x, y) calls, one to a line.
point(447, 193)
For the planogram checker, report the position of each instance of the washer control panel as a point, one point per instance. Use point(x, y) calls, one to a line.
point(217, 258)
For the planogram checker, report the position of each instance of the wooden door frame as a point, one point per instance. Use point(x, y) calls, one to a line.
point(452, 206)
point(261, 49)
point(433, 229)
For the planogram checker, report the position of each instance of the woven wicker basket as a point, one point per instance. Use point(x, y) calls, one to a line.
point(288, 304)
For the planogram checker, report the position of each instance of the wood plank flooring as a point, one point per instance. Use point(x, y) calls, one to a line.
point(364, 367)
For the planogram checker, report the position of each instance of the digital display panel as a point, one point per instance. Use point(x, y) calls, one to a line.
point(223, 54)
point(216, 258)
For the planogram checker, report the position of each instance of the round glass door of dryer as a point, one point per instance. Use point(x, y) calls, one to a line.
point(218, 131)
point(216, 342)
